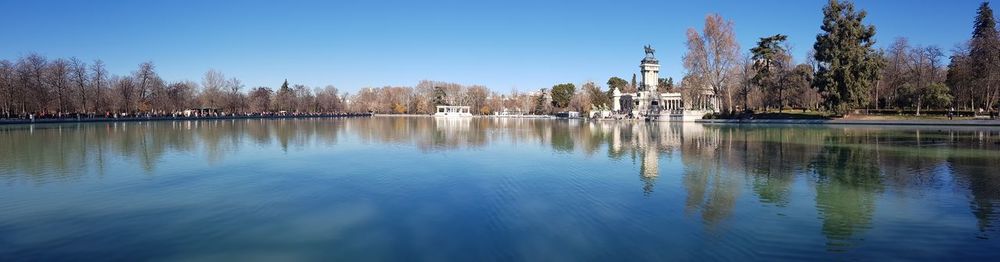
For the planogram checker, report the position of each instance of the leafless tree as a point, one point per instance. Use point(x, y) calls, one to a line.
point(146, 83)
point(894, 75)
point(31, 77)
point(99, 83)
point(8, 98)
point(78, 75)
point(305, 101)
point(328, 99)
point(212, 84)
point(124, 87)
point(57, 76)
point(260, 99)
point(234, 95)
point(181, 95)
point(711, 56)
point(475, 97)
point(960, 78)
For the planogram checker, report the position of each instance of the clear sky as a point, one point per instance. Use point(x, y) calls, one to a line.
point(501, 44)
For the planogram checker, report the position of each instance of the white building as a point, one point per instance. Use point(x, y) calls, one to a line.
point(453, 111)
point(649, 104)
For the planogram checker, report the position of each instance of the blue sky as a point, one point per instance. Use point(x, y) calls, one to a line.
point(501, 44)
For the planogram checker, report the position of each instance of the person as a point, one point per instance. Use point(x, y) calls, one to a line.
point(951, 113)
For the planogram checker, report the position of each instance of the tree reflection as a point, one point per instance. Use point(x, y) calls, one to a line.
point(771, 157)
point(60, 151)
point(981, 177)
point(849, 168)
point(847, 183)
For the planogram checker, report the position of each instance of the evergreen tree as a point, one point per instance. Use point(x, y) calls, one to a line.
point(634, 86)
point(665, 84)
point(540, 102)
point(284, 97)
point(440, 97)
point(562, 94)
point(848, 65)
point(770, 60)
point(984, 56)
point(985, 25)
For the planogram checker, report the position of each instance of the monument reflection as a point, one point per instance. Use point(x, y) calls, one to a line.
point(846, 174)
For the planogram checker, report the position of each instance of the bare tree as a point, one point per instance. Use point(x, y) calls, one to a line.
point(147, 81)
point(260, 99)
point(927, 77)
point(57, 76)
point(894, 75)
point(475, 97)
point(211, 93)
point(78, 75)
point(180, 96)
point(31, 76)
point(328, 99)
point(744, 77)
point(960, 78)
point(305, 101)
point(124, 87)
point(711, 56)
point(7, 88)
point(234, 96)
point(99, 82)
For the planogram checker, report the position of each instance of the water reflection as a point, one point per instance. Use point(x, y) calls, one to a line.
point(847, 174)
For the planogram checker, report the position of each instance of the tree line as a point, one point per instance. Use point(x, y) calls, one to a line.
point(35, 85)
point(426, 95)
point(844, 72)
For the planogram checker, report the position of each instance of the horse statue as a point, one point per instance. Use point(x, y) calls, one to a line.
point(649, 50)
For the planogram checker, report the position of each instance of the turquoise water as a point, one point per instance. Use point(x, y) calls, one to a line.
point(493, 189)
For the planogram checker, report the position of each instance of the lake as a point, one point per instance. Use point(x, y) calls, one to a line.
point(426, 189)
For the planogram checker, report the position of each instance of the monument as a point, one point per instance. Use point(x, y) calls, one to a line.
point(651, 103)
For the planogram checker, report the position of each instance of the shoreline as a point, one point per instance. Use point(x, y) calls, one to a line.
point(983, 123)
point(141, 119)
point(989, 123)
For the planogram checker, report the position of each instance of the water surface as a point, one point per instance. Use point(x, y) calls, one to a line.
point(496, 189)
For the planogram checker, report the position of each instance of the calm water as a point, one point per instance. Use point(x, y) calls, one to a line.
point(486, 189)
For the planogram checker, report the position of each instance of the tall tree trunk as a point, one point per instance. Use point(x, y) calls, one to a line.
point(919, 102)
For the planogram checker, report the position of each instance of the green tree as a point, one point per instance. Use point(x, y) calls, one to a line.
point(921, 96)
point(562, 94)
point(540, 101)
point(632, 87)
point(284, 86)
point(617, 82)
point(799, 81)
point(770, 66)
point(848, 65)
point(665, 84)
point(847, 186)
point(284, 99)
point(936, 95)
point(440, 96)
